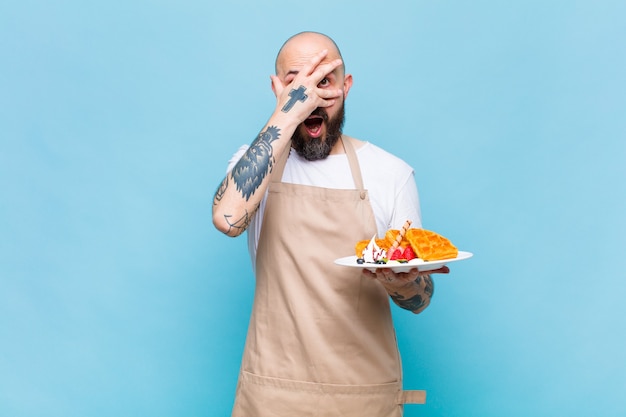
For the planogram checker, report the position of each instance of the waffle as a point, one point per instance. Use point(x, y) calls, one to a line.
point(430, 246)
point(397, 238)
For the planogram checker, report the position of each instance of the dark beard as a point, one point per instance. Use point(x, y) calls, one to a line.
point(313, 149)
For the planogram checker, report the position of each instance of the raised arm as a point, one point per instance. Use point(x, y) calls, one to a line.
point(298, 93)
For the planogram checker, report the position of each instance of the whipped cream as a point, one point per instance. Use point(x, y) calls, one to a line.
point(373, 253)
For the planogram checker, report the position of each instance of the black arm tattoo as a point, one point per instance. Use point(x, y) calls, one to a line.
point(256, 163)
point(239, 226)
point(295, 95)
point(219, 194)
point(417, 302)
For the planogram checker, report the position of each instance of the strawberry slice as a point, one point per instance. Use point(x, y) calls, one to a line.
point(395, 254)
point(409, 253)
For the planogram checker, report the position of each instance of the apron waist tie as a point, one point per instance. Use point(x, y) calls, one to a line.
point(411, 397)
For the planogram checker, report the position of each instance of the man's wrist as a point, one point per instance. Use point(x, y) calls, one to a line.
point(286, 122)
point(399, 286)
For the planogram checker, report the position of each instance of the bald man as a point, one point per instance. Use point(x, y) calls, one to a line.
point(321, 341)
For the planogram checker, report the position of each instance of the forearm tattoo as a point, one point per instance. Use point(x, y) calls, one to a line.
point(295, 95)
point(240, 225)
point(416, 302)
point(256, 163)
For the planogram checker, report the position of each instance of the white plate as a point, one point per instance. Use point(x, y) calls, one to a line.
point(403, 267)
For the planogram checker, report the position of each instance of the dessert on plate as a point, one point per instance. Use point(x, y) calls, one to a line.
point(404, 245)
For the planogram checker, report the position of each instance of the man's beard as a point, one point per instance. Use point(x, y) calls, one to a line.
point(313, 149)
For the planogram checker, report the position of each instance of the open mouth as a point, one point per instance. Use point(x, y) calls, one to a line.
point(313, 125)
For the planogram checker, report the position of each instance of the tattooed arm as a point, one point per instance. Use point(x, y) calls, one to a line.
point(298, 93)
point(413, 296)
point(239, 195)
point(412, 290)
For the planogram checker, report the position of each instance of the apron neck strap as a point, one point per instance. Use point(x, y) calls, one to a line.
point(354, 163)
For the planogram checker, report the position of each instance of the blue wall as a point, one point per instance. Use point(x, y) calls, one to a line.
point(117, 296)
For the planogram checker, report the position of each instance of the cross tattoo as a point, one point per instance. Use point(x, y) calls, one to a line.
point(296, 95)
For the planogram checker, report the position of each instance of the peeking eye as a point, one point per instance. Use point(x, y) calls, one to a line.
point(324, 83)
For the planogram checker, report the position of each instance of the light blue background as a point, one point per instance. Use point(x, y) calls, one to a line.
point(117, 118)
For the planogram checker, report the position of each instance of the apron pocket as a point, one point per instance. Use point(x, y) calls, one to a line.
point(261, 396)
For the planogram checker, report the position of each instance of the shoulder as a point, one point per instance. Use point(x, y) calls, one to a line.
point(372, 155)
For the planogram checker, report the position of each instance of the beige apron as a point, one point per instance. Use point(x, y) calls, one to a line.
point(321, 340)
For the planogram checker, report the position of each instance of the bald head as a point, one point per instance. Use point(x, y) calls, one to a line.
point(302, 46)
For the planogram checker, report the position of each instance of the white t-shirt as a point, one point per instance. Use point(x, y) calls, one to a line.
point(389, 180)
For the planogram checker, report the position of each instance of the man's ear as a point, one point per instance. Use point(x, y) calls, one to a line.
point(347, 84)
point(277, 85)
